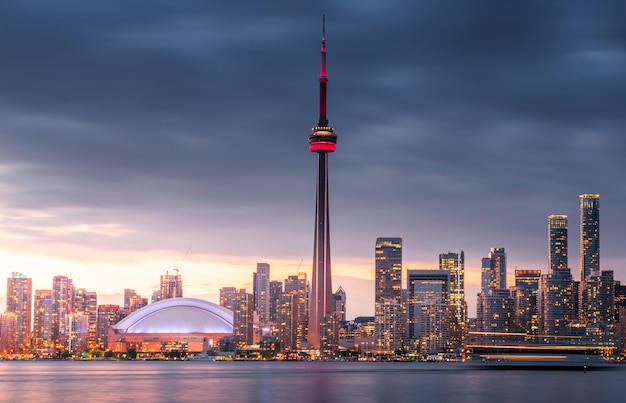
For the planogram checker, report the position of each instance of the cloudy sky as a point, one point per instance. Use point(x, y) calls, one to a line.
point(132, 132)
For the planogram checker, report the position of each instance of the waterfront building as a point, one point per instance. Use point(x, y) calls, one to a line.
point(455, 264)
point(495, 311)
point(339, 297)
point(388, 333)
point(298, 285)
point(288, 322)
point(108, 315)
point(557, 242)
point(42, 323)
point(430, 317)
point(243, 317)
point(600, 309)
point(174, 324)
point(78, 333)
point(62, 308)
point(322, 141)
point(86, 303)
point(589, 249)
point(8, 334)
point(19, 302)
point(261, 291)
point(388, 308)
point(555, 301)
point(525, 299)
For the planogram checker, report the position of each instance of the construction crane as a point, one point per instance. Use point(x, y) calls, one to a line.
point(177, 266)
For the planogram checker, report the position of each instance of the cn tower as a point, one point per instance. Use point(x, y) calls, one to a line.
point(321, 141)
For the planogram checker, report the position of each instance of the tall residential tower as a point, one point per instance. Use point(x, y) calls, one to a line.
point(321, 141)
point(557, 242)
point(589, 234)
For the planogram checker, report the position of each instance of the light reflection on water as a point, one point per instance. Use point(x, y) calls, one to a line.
point(201, 381)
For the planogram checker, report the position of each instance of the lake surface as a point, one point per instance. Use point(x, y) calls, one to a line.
point(204, 381)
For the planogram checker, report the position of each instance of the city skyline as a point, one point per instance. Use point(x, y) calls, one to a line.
point(127, 137)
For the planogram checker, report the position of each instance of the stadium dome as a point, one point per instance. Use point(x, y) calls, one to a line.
point(177, 316)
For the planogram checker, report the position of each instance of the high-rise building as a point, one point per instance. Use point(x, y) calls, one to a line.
point(340, 303)
point(8, 333)
point(487, 280)
point(86, 303)
point(600, 309)
point(243, 317)
point(322, 141)
point(242, 304)
point(288, 321)
point(557, 242)
point(455, 264)
point(555, 301)
point(388, 276)
point(133, 301)
point(389, 315)
point(495, 311)
point(171, 286)
point(276, 290)
point(589, 234)
point(19, 302)
point(430, 317)
point(261, 288)
point(525, 299)
point(498, 263)
point(227, 296)
point(108, 315)
point(298, 285)
point(42, 323)
point(493, 270)
point(62, 308)
point(388, 319)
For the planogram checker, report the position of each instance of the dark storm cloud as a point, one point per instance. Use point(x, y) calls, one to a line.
point(464, 123)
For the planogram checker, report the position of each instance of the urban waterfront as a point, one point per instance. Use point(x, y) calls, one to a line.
point(203, 381)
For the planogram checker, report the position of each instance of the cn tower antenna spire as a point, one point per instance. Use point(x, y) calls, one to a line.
point(323, 120)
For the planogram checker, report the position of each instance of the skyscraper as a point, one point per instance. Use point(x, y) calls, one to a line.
point(339, 298)
point(276, 290)
point(86, 303)
point(62, 308)
point(19, 302)
point(557, 242)
point(388, 276)
point(261, 291)
point(429, 314)
point(589, 234)
point(555, 302)
point(42, 323)
point(493, 270)
point(321, 141)
point(455, 264)
point(525, 298)
point(298, 285)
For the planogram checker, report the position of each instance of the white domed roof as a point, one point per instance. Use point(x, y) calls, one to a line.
point(178, 315)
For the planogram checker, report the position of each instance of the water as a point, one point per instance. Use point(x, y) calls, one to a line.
point(302, 382)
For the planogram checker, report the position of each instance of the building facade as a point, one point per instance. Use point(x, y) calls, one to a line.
point(557, 242)
point(20, 302)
